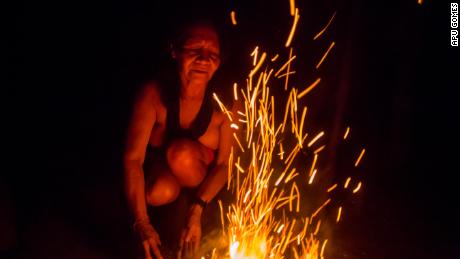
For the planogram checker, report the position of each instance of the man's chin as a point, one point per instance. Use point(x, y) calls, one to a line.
point(199, 76)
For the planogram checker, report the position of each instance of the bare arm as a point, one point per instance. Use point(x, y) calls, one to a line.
point(211, 185)
point(140, 128)
point(217, 178)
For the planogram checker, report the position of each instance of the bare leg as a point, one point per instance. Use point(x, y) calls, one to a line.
point(188, 161)
point(161, 187)
point(186, 166)
point(165, 189)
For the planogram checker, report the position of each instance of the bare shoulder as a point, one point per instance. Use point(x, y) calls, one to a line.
point(149, 95)
point(219, 117)
point(150, 90)
point(222, 117)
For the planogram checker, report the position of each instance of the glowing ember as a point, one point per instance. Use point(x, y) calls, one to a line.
point(332, 188)
point(346, 133)
point(292, 7)
point(325, 28)
point(232, 16)
point(264, 221)
point(347, 182)
point(339, 213)
point(294, 25)
point(357, 188)
point(360, 157)
point(264, 188)
point(306, 91)
point(325, 54)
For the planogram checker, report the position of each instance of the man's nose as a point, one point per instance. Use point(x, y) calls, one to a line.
point(204, 55)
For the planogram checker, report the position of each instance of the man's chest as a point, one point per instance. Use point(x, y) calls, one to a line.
point(209, 138)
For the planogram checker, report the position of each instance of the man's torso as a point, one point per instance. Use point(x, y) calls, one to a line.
point(210, 138)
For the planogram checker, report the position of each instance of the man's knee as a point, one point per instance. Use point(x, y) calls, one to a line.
point(182, 152)
point(184, 159)
point(164, 190)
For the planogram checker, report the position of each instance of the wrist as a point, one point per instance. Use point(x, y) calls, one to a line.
point(199, 202)
point(196, 209)
point(197, 206)
point(141, 221)
point(144, 229)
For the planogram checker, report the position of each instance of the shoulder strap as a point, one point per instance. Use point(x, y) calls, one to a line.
point(199, 125)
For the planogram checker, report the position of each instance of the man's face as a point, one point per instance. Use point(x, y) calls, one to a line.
point(199, 56)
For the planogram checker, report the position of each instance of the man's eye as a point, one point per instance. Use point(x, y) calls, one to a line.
point(191, 51)
point(214, 56)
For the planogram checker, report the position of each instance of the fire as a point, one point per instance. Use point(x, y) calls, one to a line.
point(265, 220)
point(265, 182)
point(255, 250)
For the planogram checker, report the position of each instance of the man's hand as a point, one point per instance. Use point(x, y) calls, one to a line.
point(150, 239)
point(191, 235)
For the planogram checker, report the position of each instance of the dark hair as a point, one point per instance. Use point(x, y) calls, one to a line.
point(183, 32)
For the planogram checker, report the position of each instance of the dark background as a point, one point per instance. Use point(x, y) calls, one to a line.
point(74, 66)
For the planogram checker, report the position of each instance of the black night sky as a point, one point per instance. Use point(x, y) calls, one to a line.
point(74, 66)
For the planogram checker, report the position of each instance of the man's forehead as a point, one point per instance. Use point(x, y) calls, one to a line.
point(199, 34)
point(199, 40)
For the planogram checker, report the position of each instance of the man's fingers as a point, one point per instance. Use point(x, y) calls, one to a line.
point(157, 238)
point(154, 247)
point(182, 239)
point(147, 249)
point(196, 245)
point(189, 249)
point(188, 237)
